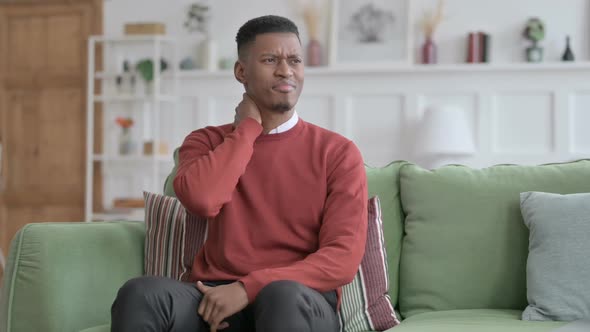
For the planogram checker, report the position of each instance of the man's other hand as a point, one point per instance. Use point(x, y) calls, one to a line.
point(247, 109)
point(220, 302)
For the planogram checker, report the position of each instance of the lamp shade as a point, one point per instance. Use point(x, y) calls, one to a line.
point(445, 131)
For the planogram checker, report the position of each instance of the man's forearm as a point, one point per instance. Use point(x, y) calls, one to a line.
point(207, 178)
point(323, 270)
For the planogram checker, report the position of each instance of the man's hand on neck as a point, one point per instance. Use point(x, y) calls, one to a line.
point(269, 119)
point(247, 109)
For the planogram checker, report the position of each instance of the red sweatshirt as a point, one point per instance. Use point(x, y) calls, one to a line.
point(287, 206)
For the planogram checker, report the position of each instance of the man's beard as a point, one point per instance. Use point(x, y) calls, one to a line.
point(281, 107)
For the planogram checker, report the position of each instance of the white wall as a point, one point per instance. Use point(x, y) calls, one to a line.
point(518, 114)
point(522, 114)
point(504, 19)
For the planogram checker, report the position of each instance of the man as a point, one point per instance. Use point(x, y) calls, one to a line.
point(286, 203)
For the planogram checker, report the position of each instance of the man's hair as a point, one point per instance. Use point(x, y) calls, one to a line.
point(263, 24)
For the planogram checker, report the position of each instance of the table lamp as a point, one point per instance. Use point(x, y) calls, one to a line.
point(444, 133)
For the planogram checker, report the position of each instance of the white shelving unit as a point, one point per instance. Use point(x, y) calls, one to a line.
point(145, 107)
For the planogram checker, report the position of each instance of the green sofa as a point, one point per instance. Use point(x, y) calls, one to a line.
point(461, 269)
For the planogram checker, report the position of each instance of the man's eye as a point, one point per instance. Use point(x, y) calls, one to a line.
point(296, 61)
point(269, 60)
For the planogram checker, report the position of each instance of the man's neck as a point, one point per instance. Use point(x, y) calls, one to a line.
point(272, 119)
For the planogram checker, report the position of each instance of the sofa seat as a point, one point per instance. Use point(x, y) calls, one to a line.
point(480, 320)
point(476, 320)
point(101, 328)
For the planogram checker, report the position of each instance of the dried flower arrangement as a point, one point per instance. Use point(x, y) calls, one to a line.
point(311, 16)
point(432, 20)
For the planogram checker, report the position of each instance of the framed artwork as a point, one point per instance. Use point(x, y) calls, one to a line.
point(370, 32)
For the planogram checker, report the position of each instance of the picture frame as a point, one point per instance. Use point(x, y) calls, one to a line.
point(370, 33)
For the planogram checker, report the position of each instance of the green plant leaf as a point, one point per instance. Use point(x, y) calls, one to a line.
point(146, 68)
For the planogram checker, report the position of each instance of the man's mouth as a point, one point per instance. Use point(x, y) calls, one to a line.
point(284, 87)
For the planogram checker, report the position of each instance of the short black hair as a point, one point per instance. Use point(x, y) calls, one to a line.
point(264, 24)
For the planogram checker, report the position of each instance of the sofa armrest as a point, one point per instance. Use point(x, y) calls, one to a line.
point(64, 276)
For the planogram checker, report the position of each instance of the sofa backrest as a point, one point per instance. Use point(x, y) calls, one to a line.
point(465, 244)
point(63, 277)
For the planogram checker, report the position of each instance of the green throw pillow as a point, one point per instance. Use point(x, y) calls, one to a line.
point(558, 266)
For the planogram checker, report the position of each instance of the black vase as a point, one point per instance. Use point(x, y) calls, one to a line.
point(568, 55)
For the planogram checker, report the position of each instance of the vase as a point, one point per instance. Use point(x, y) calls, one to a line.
point(149, 88)
point(314, 53)
point(568, 54)
point(429, 52)
point(125, 142)
point(208, 54)
point(534, 53)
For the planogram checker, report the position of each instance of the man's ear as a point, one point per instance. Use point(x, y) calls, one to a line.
point(239, 72)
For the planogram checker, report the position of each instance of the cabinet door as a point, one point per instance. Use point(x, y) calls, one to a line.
point(43, 110)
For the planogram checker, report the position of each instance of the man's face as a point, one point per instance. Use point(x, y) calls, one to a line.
point(271, 69)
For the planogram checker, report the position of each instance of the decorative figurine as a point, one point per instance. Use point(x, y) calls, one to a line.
point(568, 55)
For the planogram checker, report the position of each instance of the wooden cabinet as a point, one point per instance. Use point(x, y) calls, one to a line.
point(42, 110)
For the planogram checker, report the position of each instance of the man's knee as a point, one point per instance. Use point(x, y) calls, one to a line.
point(140, 289)
point(291, 306)
point(156, 304)
point(282, 292)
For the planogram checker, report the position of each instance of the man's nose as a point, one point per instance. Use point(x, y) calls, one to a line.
point(283, 69)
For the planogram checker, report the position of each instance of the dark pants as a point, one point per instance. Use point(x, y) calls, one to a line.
point(161, 304)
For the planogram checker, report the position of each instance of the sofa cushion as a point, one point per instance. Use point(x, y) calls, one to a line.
point(64, 276)
point(558, 265)
point(482, 320)
point(384, 183)
point(172, 238)
point(365, 302)
point(465, 243)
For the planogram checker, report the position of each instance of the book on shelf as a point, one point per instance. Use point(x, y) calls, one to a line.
point(478, 47)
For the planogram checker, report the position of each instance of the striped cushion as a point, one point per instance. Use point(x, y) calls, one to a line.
point(366, 305)
point(173, 237)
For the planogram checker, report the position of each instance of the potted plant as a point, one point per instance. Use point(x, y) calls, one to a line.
point(535, 32)
point(198, 20)
point(145, 68)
